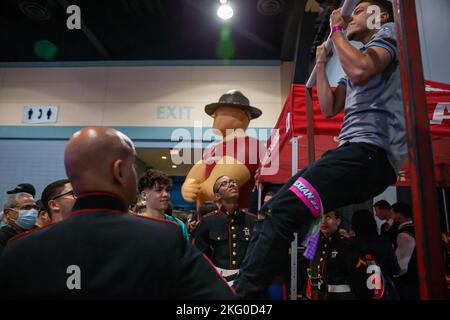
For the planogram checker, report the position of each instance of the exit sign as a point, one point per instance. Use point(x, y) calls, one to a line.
point(174, 112)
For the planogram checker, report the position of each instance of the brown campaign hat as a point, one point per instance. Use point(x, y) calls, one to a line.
point(234, 98)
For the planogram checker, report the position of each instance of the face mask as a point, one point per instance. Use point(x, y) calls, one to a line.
point(27, 219)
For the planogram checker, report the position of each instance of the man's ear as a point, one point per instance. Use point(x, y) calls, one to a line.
point(9, 215)
point(217, 196)
point(46, 217)
point(143, 195)
point(53, 205)
point(117, 170)
point(7, 212)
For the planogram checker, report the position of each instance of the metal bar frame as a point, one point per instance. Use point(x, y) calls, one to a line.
point(426, 218)
point(310, 126)
point(294, 244)
point(444, 201)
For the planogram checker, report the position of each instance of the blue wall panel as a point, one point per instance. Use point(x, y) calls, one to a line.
point(34, 161)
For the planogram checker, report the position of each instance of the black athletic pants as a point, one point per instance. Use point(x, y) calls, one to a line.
point(352, 173)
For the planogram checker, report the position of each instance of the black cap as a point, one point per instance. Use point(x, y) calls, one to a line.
point(23, 187)
point(234, 98)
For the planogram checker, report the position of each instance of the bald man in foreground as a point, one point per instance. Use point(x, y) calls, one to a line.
point(100, 251)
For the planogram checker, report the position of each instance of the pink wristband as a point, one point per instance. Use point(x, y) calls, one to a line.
point(336, 28)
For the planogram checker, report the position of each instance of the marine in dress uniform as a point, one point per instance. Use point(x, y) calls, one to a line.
point(338, 270)
point(119, 256)
point(224, 238)
point(243, 148)
point(101, 251)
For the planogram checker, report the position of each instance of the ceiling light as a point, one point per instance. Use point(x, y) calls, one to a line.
point(225, 11)
point(174, 166)
point(164, 157)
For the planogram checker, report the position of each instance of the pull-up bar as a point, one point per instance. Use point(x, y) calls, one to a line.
point(426, 219)
point(347, 9)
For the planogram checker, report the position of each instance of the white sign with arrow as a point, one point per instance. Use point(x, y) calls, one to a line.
point(40, 114)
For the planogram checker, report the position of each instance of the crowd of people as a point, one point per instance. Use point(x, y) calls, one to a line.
point(347, 261)
point(365, 262)
point(104, 233)
point(100, 248)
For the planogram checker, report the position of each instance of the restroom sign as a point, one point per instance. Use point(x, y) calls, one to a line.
point(40, 114)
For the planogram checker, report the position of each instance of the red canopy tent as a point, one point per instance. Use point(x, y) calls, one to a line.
point(422, 147)
point(292, 123)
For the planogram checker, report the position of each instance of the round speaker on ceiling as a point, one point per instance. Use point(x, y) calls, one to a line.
point(270, 7)
point(34, 10)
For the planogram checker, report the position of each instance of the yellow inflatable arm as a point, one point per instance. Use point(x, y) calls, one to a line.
point(191, 186)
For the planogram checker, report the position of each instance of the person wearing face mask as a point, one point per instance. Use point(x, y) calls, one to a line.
point(21, 213)
point(20, 188)
point(224, 235)
point(154, 187)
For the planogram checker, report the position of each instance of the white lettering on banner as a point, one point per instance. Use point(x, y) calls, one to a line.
point(288, 122)
point(429, 88)
point(270, 161)
point(439, 113)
